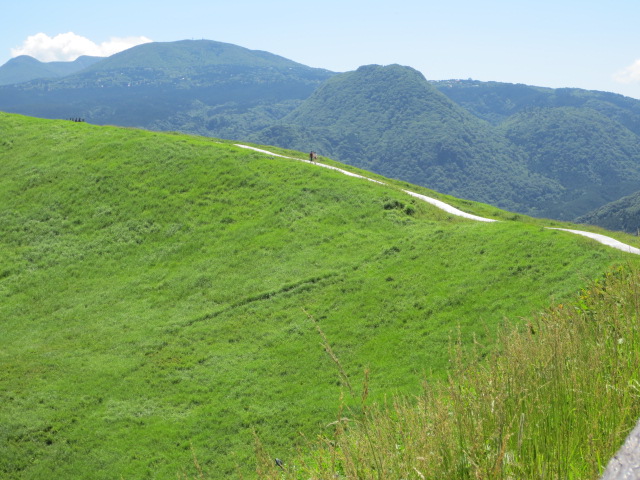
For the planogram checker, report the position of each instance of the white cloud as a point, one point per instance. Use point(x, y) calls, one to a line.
point(69, 46)
point(631, 74)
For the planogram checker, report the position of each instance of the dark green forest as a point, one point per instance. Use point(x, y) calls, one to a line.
point(622, 215)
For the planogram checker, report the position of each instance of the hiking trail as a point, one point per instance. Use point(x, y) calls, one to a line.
point(610, 242)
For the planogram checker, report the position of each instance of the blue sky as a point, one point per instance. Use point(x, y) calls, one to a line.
point(556, 43)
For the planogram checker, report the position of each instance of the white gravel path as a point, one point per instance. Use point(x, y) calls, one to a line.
point(448, 208)
point(602, 239)
point(454, 211)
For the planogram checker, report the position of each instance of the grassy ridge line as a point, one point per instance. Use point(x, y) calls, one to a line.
point(466, 206)
point(152, 286)
point(605, 240)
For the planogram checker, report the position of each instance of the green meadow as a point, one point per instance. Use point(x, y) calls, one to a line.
point(168, 302)
point(554, 400)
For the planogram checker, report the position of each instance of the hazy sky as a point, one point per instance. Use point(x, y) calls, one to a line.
point(556, 43)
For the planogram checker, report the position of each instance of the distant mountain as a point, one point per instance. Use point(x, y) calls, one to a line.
point(595, 159)
point(392, 121)
point(25, 68)
point(191, 56)
point(496, 102)
point(621, 215)
point(588, 141)
point(204, 87)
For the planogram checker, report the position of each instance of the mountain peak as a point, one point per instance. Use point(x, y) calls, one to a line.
point(22, 59)
point(25, 68)
point(186, 54)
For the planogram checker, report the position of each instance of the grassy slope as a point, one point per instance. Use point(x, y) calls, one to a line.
point(555, 401)
point(152, 291)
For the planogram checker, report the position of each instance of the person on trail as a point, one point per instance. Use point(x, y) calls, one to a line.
point(312, 156)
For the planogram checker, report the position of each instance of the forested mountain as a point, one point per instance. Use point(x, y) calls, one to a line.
point(495, 101)
point(586, 140)
point(535, 151)
point(557, 153)
point(199, 86)
point(595, 159)
point(25, 68)
point(392, 121)
point(622, 215)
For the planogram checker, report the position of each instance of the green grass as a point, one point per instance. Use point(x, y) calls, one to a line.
point(555, 401)
point(153, 290)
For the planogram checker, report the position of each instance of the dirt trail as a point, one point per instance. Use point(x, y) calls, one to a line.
point(454, 211)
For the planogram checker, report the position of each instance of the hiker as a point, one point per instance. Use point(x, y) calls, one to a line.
point(311, 156)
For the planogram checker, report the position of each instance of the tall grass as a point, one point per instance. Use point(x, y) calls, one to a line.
point(555, 400)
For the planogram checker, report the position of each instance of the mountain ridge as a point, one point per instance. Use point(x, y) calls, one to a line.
point(192, 53)
point(194, 86)
point(25, 68)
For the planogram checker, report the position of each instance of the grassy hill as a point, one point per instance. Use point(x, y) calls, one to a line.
point(166, 296)
point(556, 400)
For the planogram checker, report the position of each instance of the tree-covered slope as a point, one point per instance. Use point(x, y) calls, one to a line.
point(595, 159)
point(621, 215)
point(161, 297)
point(496, 101)
point(392, 121)
point(587, 141)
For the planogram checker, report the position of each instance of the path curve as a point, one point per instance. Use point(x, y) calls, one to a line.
point(610, 242)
